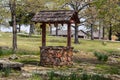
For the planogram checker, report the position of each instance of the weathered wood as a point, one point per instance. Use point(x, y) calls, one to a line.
point(43, 26)
point(69, 35)
point(55, 16)
point(51, 55)
point(10, 64)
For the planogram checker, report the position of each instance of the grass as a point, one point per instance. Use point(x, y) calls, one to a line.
point(30, 46)
point(108, 69)
point(35, 77)
point(74, 76)
point(26, 43)
point(101, 56)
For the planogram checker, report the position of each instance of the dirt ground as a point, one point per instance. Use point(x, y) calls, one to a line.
point(82, 62)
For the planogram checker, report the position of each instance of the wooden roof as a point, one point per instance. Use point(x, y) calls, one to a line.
point(57, 16)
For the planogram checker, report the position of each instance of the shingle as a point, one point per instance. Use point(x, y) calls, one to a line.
point(55, 16)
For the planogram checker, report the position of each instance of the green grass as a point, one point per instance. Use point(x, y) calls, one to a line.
point(32, 44)
point(108, 69)
point(35, 77)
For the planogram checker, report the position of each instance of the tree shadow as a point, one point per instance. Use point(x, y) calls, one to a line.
point(31, 62)
point(27, 36)
point(79, 59)
point(113, 68)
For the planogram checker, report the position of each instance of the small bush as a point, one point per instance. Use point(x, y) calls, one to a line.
point(1, 52)
point(35, 77)
point(100, 56)
point(5, 52)
point(51, 75)
point(6, 71)
point(73, 76)
point(85, 76)
point(63, 78)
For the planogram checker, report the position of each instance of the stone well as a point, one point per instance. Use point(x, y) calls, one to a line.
point(56, 55)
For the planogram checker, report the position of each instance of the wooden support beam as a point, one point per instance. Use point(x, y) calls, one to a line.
point(69, 35)
point(43, 26)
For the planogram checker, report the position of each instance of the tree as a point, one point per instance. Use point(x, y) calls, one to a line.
point(32, 7)
point(106, 9)
point(78, 6)
point(54, 5)
point(4, 13)
point(116, 31)
point(12, 5)
point(91, 19)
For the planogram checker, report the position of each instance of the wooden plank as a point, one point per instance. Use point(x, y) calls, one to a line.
point(69, 35)
point(43, 34)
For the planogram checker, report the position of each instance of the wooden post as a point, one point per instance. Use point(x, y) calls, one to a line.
point(69, 35)
point(43, 26)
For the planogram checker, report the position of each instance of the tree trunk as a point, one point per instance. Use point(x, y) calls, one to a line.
point(103, 33)
point(19, 29)
point(0, 28)
point(118, 36)
point(76, 41)
point(56, 30)
point(14, 27)
point(110, 32)
point(99, 31)
point(12, 5)
point(14, 33)
point(50, 30)
point(92, 37)
point(31, 31)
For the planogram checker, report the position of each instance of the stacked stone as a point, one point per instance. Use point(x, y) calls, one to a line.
point(56, 56)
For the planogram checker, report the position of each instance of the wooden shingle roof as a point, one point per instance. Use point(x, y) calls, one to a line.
point(57, 16)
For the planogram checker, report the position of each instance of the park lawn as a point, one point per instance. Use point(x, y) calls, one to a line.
point(28, 51)
point(33, 43)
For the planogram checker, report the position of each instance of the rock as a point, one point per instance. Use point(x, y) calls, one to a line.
point(10, 64)
point(25, 74)
point(112, 61)
point(4, 48)
point(13, 57)
point(114, 77)
point(76, 51)
point(56, 56)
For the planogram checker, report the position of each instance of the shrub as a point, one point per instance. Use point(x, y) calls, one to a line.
point(100, 56)
point(51, 75)
point(5, 52)
point(1, 52)
point(6, 71)
point(35, 77)
point(98, 77)
point(73, 76)
point(85, 76)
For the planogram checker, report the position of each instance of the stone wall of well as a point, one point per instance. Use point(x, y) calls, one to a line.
point(56, 55)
